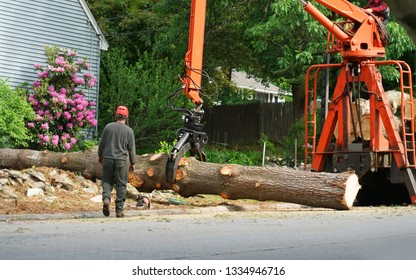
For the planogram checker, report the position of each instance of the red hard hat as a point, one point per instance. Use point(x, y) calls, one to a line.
point(122, 110)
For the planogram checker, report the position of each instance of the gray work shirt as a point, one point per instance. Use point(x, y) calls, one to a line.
point(117, 142)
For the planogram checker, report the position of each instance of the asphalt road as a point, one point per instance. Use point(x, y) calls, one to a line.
point(383, 233)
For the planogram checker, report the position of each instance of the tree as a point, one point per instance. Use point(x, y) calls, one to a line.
point(283, 55)
point(274, 40)
point(144, 88)
point(329, 190)
point(129, 24)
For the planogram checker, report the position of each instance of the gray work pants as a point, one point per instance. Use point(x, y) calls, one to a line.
point(115, 171)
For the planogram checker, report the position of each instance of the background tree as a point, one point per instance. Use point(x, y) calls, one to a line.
point(144, 88)
point(273, 40)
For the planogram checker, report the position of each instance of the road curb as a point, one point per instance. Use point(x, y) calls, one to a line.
point(156, 212)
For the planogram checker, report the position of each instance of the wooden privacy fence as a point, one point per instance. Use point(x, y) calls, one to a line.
point(245, 124)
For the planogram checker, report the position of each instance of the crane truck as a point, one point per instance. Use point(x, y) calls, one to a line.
point(360, 41)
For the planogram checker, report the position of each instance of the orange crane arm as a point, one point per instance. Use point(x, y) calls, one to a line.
point(363, 40)
point(192, 77)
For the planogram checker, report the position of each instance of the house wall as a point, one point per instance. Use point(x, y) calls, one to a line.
point(26, 26)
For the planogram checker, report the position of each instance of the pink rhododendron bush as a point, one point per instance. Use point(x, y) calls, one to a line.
point(58, 99)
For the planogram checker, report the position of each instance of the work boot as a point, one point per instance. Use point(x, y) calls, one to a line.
point(106, 208)
point(120, 215)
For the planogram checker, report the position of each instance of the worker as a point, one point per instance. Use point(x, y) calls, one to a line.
point(117, 155)
point(379, 9)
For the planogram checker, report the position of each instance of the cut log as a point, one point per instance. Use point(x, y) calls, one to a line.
point(366, 122)
point(327, 190)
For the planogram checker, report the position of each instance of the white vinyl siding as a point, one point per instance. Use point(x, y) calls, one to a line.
point(26, 26)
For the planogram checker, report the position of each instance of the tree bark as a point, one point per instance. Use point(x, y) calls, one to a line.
point(328, 190)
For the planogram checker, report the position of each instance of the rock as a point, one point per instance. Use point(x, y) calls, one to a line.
point(90, 190)
point(53, 173)
point(35, 185)
point(35, 192)
point(50, 199)
point(14, 173)
point(36, 174)
point(4, 181)
point(64, 181)
point(132, 192)
point(97, 198)
point(6, 193)
point(49, 189)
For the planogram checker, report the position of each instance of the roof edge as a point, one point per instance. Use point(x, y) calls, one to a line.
point(103, 42)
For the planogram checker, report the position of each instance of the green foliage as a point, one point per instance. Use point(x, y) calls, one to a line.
point(270, 147)
point(222, 155)
point(86, 144)
point(274, 40)
point(132, 25)
point(165, 147)
point(144, 88)
point(15, 111)
point(248, 156)
point(291, 142)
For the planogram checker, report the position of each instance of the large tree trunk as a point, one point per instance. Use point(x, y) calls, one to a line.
point(328, 190)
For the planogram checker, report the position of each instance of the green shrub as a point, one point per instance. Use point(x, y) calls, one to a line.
point(15, 111)
point(58, 98)
point(247, 156)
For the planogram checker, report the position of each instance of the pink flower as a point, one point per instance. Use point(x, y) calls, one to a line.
point(44, 126)
point(43, 74)
point(91, 83)
point(69, 125)
point(79, 81)
point(31, 125)
point(63, 90)
point(36, 84)
point(62, 98)
point(94, 122)
point(55, 142)
point(73, 140)
point(45, 139)
point(60, 127)
point(60, 60)
point(37, 66)
point(59, 70)
point(67, 115)
point(67, 146)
